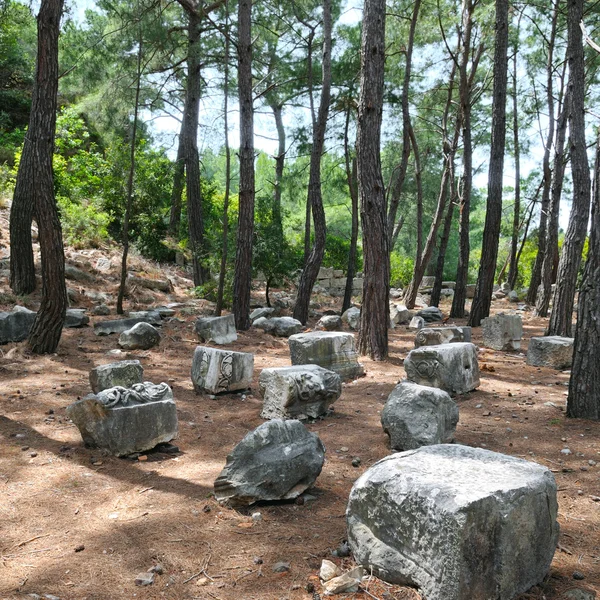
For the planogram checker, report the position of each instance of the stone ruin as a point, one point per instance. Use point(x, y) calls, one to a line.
point(333, 281)
point(219, 330)
point(502, 332)
point(459, 523)
point(218, 371)
point(551, 351)
point(124, 373)
point(434, 336)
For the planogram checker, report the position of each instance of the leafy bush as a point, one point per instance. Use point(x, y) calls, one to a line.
point(337, 251)
point(401, 270)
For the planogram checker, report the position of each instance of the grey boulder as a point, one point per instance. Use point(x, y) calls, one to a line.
point(142, 336)
point(15, 325)
point(257, 313)
point(551, 351)
point(123, 373)
point(400, 315)
point(434, 336)
point(416, 323)
point(217, 371)
point(298, 392)
point(450, 367)
point(76, 317)
point(416, 415)
point(502, 332)
point(119, 325)
point(329, 323)
point(126, 420)
point(220, 330)
point(352, 317)
point(329, 349)
point(276, 461)
point(147, 316)
point(430, 314)
point(459, 523)
point(279, 326)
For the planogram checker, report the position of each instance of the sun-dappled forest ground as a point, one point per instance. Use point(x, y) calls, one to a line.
point(75, 523)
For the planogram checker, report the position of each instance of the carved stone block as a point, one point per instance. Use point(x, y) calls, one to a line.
point(217, 371)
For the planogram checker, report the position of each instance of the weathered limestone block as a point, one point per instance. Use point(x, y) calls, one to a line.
point(400, 315)
point(329, 323)
point(276, 461)
point(450, 367)
point(220, 330)
point(427, 281)
point(76, 274)
point(459, 523)
point(449, 285)
point(279, 326)
point(15, 325)
point(148, 316)
point(325, 273)
point(352, 317)
point(76, 317)
point(502, 332)
point(338, 273)
point(357, 284)
point(123, 373)
point(471, 290)
point(298, 392)
point(434, 336)
point(430, 314)
point(142, 336)
point(257, 313)
point(328, 349)
point(162, 285)
point(417, 323)
point(216, 371)
point(126, 420)
point(551, 351)
point(117, 325)
point(416, 415)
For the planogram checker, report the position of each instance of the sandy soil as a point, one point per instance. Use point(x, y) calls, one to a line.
point(77, 524)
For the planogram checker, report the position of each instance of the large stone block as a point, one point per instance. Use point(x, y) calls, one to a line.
point(415, 415)
point(276, 461)
point(502, 332)
point(400, 315)
point(459, 523)
point(76, 317)
point(220, 330)
point(216, 371)
point(430, 314)
point(152, 316)
point(329, 323)
point(551, 351)
point(427, 281)
point(257, 313)
point(434, 336)
point(325, 273)
point(141, 336)
point(450, 367)
point(15, 325)
point(352, 317)
point(471, 290)
point(279, 326)
point(119, 325)
point(298, 392)
point(123, 373)
point(331, 350)
point(126, 420)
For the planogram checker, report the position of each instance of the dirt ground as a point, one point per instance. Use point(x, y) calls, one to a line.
point(77, 524)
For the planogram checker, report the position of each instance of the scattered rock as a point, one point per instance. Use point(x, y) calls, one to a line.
point(578, 575)
point(216, 371)
point(101, 310)
point(276, 461)
point(144, 579)
point(220, 330)
point(578, 594)
point(329, 570)
point(279, 326)
point(76, 317)
point(123, 373)
point(399, 314)
point(329, 323)
point(344, 584)
point(15, 325)
point(257, 313)
point(352, 317)
point(416, 323)
point(142, 336)
point(117, 325)
point(75, 274)
point(430, 314)
point(502, 332)
point(147, 316)
point(281, 567)
point(550, 351)
point(162, 285)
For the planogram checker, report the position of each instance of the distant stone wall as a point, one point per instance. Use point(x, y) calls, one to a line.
point(333, 281)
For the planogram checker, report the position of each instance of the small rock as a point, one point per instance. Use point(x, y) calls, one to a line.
point(281, 567)
point(257, 516)
point(33, 454)
point(344, 449)
point(329, 570)
point(144, 579)
point(344, 584)
point(342, 551)
point(579, 576)
point(566, 451)
point(356, 462)
point(158, 569)
point(24, 448)
point(79, 548)
point(257, 560)
point(592, 463)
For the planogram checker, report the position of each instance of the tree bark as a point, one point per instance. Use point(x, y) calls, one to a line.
point(313, 116)
point(482, 301)
point(583, 401)
point(568, 268)
point(47, 327)
point(315, 199)
point(243, 259)
point(441, 258)
point(178, 182)
point(373, 328)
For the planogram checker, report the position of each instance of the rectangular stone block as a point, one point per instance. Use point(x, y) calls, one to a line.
point(450, 367)
point(502, 332)
point(551, 351)
point(325, 273)
point(427, 282)
point(328, 349)
point(434, 336)
point(220, 330)
point(217, 371)
point(338, 273)
point(298, 392)
point(357, 283)
point(471, 290)
point(123, 373)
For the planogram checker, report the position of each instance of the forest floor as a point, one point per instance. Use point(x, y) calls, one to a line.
point(77, 524)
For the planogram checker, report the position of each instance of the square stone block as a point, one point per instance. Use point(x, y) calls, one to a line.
point(123, 373)
point(450, 367)
point(551, 351)
point(216, 371)
point(298, 392)
point(220, 330)
point(459, 523)
point(328, 349)
point(434, 336)
point(502, 332)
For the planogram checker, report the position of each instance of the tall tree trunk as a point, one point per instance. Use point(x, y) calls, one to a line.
point(242, 282)
point(351, 177)
point(192, 158)
point(551, 253)
point(406, 128)
point(47, 327)
point(480, 307)
point(373, 330)
point(513, 271)
point(279, 167)
point(178, 182)
point(583, 400)
point(311, 99)
point(568, 268)
point(422, 260)
point(313, 264)
point(465, 93)
point(441, 258)
point(225, 243)
point(128, 206)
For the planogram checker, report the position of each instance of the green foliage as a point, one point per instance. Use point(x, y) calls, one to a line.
point(337, 250)
point(401, 269)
